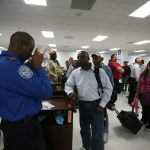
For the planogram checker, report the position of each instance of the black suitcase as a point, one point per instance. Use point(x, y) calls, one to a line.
point(129, 120)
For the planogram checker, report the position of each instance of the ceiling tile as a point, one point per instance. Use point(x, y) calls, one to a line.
point(107, 17)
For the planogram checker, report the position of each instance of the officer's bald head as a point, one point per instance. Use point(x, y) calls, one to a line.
point(22, 44)
point(20, 38)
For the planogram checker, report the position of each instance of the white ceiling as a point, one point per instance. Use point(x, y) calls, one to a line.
point(107, 17)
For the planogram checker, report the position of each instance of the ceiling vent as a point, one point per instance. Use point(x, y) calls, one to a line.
point(68, 37)
point(82, 4)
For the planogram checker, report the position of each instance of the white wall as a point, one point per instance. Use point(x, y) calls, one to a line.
point(125, 56)
point(132, 59)
point(146, 60)
point(106, 58)
point(63, 56)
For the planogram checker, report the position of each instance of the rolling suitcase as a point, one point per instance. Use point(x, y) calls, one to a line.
point(129, 120)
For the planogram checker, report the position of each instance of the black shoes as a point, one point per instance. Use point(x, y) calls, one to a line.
point(147, 128)
point(143, 121)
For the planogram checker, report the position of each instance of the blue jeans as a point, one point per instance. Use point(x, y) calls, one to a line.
point(106, 121)
point(92, 125)
point(125, 83)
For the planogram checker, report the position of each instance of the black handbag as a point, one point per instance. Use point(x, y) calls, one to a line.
point(129, 120)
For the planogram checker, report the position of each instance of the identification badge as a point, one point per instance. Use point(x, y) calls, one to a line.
point(25, 72)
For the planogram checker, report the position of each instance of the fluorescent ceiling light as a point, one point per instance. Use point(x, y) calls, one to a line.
point(102, 52)
point(100, 38)
point(142, 12)
point(142, 55)
point(48, 34)
point(0, 34)
point(52, 45)
point(85, 47)
point(79, 50)
point(36, 2)
point(142, 42)
point(114, 49)
point(139, 51)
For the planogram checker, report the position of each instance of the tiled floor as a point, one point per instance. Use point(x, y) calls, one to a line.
point(119, 137)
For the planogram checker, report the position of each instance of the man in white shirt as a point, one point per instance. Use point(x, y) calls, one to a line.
point(134, 77)
point(91, 103)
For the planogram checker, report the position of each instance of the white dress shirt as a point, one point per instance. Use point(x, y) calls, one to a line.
point(135, 71)
point(87, 86)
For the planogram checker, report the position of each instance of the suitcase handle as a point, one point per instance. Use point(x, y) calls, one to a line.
point(117, 112)
point(132, 109)
point(115, 109)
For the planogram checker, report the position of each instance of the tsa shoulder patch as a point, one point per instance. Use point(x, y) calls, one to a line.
point(25, 72)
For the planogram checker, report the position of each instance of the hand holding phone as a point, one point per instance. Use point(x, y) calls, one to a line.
point(37, 59)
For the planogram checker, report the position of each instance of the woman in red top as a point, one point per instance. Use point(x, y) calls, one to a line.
point(117, 70)
point(143, 91)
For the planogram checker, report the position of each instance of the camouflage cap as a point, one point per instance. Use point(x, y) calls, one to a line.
point(51, 52)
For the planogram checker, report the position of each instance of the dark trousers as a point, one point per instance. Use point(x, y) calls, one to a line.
point(113, 98)
point(25, 134)
point(92, 125)
point(132, 92)
point(125, 83)
point(106, 121)
point(146, 114)
point(117, 86)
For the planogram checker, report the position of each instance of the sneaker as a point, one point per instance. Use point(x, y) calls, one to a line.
point(147, 128)
point(105, 137)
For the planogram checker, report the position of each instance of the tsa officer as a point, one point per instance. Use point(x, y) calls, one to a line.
point(21, 90)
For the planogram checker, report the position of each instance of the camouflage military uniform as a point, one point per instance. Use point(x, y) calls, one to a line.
point(55, 73)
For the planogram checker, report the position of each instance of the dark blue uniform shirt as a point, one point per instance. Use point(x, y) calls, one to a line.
point(21, 88)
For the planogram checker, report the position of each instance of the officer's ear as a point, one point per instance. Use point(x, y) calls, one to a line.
point(16, 47)
point(19, 45)
point(22, 46)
